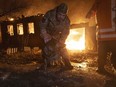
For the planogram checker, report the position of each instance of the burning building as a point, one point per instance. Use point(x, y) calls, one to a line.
point(20, 33)
point(24, 32)
point(81, 38)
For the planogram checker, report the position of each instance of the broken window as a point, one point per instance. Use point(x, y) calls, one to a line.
point(31, 28)
point(10, 30)
point(20, 29)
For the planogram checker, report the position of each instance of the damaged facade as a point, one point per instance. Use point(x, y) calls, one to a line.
point(24, 32)
point(20, 33)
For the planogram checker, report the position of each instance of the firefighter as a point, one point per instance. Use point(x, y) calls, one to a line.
point(54, 29)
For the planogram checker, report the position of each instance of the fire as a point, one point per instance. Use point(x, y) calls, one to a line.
point(76, 39)
point(11, 19)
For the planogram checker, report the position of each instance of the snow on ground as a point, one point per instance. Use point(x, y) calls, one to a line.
point(22, 71)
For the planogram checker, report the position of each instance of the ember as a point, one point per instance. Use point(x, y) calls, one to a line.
point(11, 19)
point(80, 65)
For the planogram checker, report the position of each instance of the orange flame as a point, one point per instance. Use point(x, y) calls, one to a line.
point(76, 39)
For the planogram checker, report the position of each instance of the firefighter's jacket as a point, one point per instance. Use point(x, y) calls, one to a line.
point(50, 25)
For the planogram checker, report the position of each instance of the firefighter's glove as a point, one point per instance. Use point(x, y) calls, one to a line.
point(47, 37)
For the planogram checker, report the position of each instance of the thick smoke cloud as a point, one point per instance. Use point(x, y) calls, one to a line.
point(77, 8)
point(76, 13)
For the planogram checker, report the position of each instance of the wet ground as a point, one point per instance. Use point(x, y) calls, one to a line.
point(22, 70)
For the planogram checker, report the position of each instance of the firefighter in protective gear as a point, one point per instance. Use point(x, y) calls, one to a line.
point(54, 29)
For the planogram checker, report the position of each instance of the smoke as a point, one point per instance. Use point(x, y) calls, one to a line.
point(77, 8)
